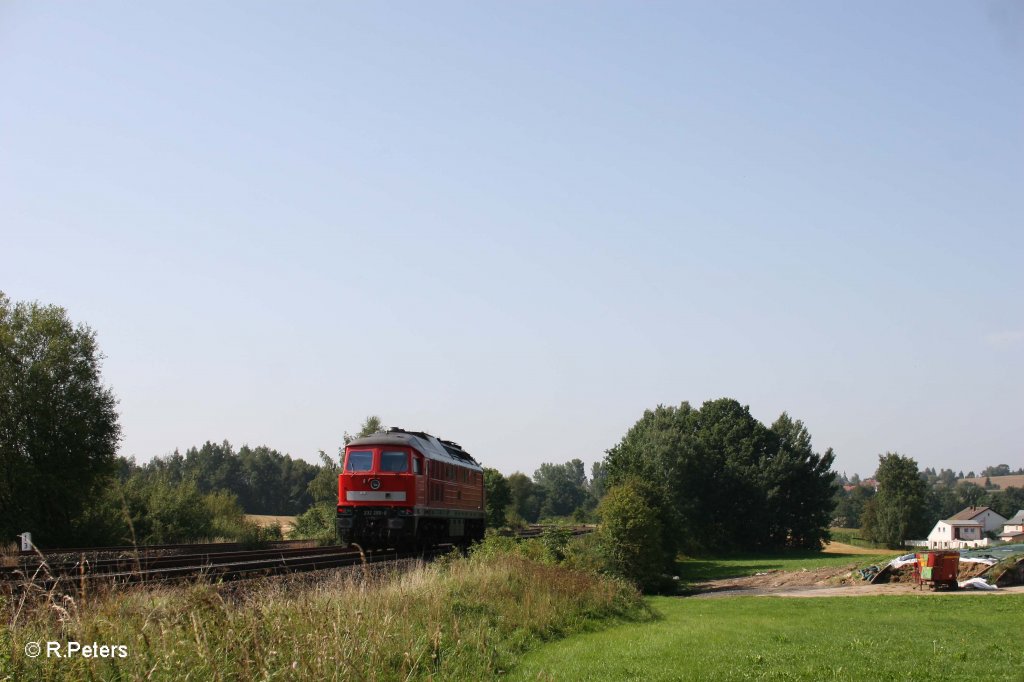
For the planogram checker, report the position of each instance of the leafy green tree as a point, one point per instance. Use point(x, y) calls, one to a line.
point(1008, 502)
point(271, 482)
point(598, 480)
point(850, 506)
point(942, 502)
point(214, 466)
point(526, 499)
point(371, 425)
point(324, 487)
point(799, 486)
point(630, 534)
point(497, 495)
point(659, 449)
point(563, 488)
point(58, 423)
point(900, 509)
point(722, 480)
point(970, 495)
point(163, 511)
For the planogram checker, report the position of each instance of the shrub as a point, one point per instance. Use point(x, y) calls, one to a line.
point(534, 549)
point(630, 536)
point(316, 523)
point(555, 539)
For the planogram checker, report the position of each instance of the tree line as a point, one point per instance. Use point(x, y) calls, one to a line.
point(554, 492)
point(264, 480)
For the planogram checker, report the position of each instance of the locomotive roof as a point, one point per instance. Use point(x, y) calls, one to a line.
point(431, 447)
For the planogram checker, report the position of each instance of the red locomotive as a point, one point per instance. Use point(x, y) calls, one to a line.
point(408, 488)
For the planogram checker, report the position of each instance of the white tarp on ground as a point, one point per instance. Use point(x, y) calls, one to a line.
point(907, 559)
point(976, 584)
point(901, 561)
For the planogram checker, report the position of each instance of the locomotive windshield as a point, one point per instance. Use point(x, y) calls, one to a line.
point(360, 460)
point(394, 461)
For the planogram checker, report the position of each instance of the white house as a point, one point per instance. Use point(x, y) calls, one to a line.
point(957, 534)
point(1013, 530)
point(991, 520)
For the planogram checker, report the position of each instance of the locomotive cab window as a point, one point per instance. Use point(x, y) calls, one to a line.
point(394, 461)
point(359, 460)
point(417, 465)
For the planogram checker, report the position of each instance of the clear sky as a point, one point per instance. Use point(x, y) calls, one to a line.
point(518, 225)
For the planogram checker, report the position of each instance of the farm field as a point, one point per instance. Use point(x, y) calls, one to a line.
point(287, 523)
point(934, 637)
point(1004, 482)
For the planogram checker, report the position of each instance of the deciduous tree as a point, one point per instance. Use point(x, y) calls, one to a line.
point(900, 509)
point(59, 427)
point(497, 495)
point(722, 480)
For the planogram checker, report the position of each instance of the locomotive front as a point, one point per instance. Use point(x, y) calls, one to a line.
point(405, 488)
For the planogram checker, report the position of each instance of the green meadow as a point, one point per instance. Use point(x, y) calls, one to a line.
point(773, 638)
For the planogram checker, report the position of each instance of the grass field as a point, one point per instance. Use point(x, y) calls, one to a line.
point(867, 638)
point(854, 536)
point(693, 570)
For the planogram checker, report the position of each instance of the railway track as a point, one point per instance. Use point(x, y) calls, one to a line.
point(187, 548)
point(214, 566)
point(78, 568)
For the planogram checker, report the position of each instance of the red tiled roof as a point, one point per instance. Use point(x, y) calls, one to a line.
point(968, 514)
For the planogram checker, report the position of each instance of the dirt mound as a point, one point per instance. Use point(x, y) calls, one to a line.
point(784, 579)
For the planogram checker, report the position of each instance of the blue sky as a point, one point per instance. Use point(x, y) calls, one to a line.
point(518, 225)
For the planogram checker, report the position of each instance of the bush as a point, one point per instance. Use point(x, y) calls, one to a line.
point(585, 553)
point(513, 520)
point(494, 545)
point(629, 538)
point(555, 539)
point(153, 510)
point(163, 512)
point(316, 523)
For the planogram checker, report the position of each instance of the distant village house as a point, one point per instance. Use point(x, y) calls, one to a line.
point(966, 529)
point(1013, 530)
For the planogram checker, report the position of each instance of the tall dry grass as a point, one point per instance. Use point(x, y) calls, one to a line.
point(453, 619)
